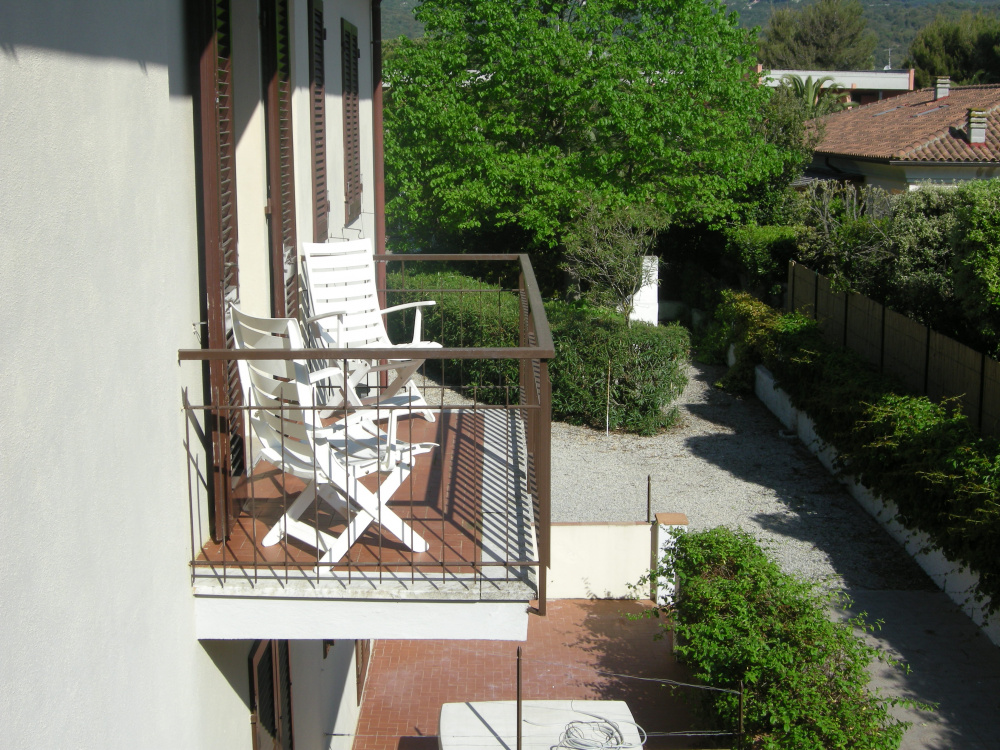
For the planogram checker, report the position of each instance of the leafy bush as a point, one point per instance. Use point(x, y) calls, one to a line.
point(923, 457)
point(760, 255)
point(932, 254)
point(976, 261)
point(647, 363)
point(750, 326)
point(737, 616)
point(468, 313)
point(642, 365)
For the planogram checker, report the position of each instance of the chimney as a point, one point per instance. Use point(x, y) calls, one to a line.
point(941, 90)
point(976, 126)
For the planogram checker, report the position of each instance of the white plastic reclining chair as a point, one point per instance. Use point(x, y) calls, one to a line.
point(331, 459)
point(345, 313)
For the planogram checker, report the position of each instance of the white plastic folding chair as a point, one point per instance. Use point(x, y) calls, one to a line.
point(345, 314)
point(332, 459)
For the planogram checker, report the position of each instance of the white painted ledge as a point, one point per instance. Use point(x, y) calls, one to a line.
point(226, 618)
point(950, 577)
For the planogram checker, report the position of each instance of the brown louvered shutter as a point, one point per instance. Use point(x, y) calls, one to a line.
point(270, 679)
point(219, 245)
point(317, 98)
point(277, 67)
point(350, 58)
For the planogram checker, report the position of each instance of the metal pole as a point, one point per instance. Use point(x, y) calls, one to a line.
point(649, 498)
point(518, 698)
point(741, 716)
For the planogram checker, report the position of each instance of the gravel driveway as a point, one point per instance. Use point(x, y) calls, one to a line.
point(726, 463)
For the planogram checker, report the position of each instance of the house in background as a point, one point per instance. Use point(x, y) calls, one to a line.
point(859, 86)
point(160, 163)
point(944, 135)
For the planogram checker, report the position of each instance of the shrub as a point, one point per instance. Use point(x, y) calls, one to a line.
point(932, 254)
point(923, 457)
point(467, 313)
point(976, 260)
point(644, 367)
point(760, 255)
point(737, 616)
point(647, 363)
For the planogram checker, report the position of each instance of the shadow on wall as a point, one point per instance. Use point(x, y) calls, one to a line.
point(231, 659)
point(145, 33)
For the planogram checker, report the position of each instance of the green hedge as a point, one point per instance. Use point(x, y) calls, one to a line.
point(737, 617)
point(647, 363)
point(924, 457)
point(644, 366)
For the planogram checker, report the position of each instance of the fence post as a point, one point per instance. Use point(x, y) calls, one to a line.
point(927, 361)
point(815, 295)
point(847, 307)
point(740, 737)
point(790, 300)
point(982, 390)
point(518, 698)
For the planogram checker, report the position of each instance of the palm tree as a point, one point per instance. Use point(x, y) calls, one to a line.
point(821, 96)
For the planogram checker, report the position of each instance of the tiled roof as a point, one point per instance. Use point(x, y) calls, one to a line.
point(916, 127)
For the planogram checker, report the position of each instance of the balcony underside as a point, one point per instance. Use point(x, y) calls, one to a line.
point(468, 498)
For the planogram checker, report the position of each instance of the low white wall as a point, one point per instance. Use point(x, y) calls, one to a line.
point(949, 576)
point(598, 560)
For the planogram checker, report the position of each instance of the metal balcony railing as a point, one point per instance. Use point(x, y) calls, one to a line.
point(480, 498)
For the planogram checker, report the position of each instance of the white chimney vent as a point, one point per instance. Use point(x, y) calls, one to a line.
point(976, 127)
point(942, 87)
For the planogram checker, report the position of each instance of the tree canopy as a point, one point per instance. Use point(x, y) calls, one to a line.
point(967, 50)
point(508, 112)
point(826, 35)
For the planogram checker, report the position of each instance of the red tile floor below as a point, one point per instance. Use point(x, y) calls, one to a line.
point(565, 657)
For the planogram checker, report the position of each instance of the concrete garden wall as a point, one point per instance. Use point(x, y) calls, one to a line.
point(600, 560)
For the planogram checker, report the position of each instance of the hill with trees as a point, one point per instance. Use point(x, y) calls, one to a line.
point(895, 23)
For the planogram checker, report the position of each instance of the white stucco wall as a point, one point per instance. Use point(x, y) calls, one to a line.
point(598, 560)
point(251, 161)
point(903, 177)
point(100, 290)
point(324, 695)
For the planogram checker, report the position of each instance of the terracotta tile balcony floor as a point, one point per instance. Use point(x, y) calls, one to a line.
point(468, 498)
point(576, 652)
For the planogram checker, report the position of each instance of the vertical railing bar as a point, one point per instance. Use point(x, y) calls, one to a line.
point(248, 448)
point(315, 488)
point(378, 498)
point(507, 483)
point(347, 474)
point(544, 472)
point(188, 416)
point(284, 481)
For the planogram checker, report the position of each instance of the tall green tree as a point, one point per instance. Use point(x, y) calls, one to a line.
point(508, 112)
point(966, 49)
point(826, 35)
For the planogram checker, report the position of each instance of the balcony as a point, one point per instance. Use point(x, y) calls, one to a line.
point(479, 498)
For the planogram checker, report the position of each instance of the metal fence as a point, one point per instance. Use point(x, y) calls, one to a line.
point(923, 360)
